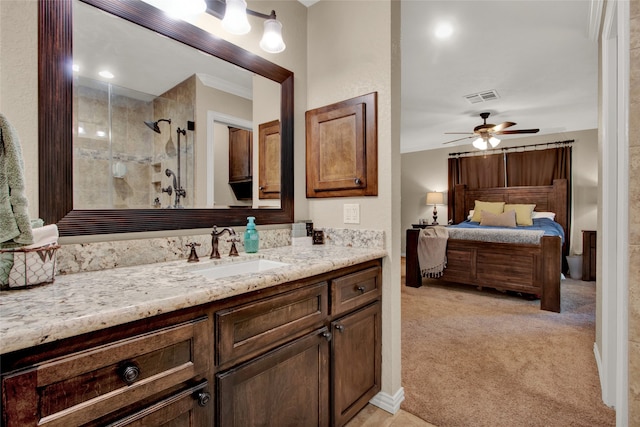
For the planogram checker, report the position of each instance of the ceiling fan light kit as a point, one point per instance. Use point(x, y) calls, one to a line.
point(485, 133)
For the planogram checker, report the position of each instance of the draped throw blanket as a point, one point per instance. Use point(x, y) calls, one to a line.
point(432, 251)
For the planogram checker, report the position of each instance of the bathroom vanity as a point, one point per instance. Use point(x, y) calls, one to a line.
point(164, 345)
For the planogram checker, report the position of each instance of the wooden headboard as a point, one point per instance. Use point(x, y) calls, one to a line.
point(547, 198)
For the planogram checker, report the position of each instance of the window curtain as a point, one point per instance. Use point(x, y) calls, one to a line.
point(523, 168)
point(538, 167)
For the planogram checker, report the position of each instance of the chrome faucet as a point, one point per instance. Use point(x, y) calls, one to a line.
point(215, 234)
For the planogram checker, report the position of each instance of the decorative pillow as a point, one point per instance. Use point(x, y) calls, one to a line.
point(550, 215)
point(523, 213)
point(492, 207)
point(505, 219)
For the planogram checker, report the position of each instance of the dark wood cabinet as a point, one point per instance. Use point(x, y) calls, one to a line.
point(589, 241)
point(342, 153)
point(269, 160)
point(241, 163)
point(356, 361)
point(307, 357)
point(240, 154)
point(286, 387)
point(158, 374)
point(303, 353)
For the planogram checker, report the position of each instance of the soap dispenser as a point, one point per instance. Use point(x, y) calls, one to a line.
point(251, 238)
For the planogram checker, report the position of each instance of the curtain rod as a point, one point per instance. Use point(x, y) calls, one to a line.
point(505, 149)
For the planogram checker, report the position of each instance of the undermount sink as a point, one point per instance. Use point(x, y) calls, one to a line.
point(231, 269)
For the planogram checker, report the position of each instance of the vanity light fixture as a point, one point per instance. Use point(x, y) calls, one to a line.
point(234, 19)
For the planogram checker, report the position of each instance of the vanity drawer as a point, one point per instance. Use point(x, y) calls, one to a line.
point(84, 386)
point(247, 330)
point(355, 289)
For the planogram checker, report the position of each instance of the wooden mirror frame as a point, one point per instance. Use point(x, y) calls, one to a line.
point(55, 138)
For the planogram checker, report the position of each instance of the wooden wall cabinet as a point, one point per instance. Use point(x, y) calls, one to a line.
point(269, 160)
point(342, 148)
point(241, 162)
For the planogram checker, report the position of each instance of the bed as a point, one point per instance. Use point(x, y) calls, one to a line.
point(528, 268)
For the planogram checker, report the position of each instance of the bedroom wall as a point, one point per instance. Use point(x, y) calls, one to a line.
point(353, 49)
point(426, 171)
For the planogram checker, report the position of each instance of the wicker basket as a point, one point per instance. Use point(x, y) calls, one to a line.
point(34, 266)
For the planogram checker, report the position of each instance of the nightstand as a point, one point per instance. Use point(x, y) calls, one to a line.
point(424, 225)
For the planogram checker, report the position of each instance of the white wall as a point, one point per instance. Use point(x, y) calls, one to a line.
point(353, 50)
point(425, 171)
point(19, 84)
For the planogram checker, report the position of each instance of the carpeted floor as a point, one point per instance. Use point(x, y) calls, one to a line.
point(484, 358)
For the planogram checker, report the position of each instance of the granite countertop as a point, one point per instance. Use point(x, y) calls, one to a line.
point(84, 302)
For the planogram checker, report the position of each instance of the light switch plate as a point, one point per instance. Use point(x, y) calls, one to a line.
point(351, 213)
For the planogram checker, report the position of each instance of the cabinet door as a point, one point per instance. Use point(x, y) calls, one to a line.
point(286, 387)
point(342, 149)
point(240, 154)
point(356, 361)
point(269, 160)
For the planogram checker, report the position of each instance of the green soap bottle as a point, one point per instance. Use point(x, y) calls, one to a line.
point(251, 238)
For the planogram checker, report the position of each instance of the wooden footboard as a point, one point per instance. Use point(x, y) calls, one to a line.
point(527, 268)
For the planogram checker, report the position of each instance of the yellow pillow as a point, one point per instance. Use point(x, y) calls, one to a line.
point(505, 219)
point(523, 213)
point(492, 207)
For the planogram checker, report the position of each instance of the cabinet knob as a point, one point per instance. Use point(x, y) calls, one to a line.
point(358, 181)
point(361, 289)
point(327, 335)
point(129, 372)
point(203, 398)
point(261, 188)
point(340, 328)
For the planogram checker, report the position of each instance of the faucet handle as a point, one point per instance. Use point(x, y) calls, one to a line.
point(193, 256)
point(234, 250)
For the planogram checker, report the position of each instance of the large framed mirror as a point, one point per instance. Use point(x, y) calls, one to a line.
point(56, 200)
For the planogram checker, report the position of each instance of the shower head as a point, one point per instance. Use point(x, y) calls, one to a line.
point(154, 125)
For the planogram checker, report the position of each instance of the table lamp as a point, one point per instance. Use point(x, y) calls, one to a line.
point(434, 199)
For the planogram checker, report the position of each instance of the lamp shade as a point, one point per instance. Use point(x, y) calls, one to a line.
point(235, 17)
point(480, 144)
point(435, 198)
point(272, 37)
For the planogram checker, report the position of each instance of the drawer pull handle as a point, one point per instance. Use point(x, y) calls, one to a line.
point(203, 398)
point(340, 328)
point(361, 289)
point(129, 372)
point(327, 335)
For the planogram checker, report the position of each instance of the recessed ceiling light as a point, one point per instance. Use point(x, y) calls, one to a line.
point(106, 74)
point(443, 30)
point(76, 68)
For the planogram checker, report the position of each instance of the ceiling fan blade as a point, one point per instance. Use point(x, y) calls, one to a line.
point(513, 132)
point(458, 133)
point(459, 139)
point(501, 126)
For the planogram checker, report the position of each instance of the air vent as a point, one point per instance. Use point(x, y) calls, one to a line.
point(485, 96)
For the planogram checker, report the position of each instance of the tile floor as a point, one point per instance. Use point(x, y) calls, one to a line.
point(372, 416)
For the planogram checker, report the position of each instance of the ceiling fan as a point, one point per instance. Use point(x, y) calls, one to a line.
point(485, 133)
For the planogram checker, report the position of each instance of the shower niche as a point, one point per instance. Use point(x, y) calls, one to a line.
point(132, 150)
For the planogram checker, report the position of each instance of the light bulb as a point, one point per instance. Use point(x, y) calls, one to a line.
point(494, 141)
point(235, 17)
point(272, 37)
point(480, 144)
